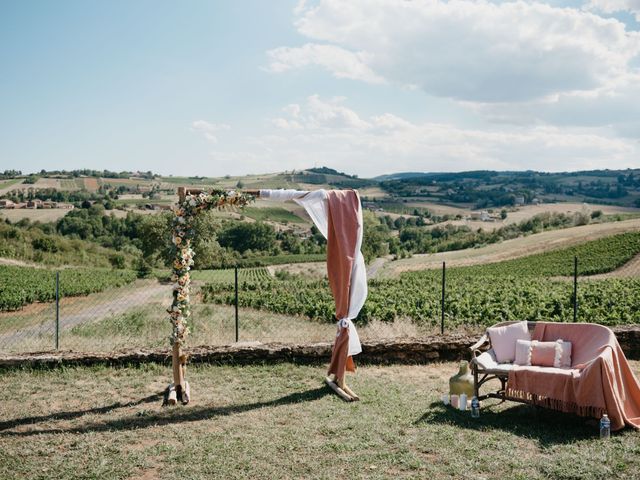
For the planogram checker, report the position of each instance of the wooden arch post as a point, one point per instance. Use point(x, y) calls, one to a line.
point(190, 203)
point(178, 390)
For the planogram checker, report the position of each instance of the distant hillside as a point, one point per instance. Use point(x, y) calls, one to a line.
point(483, 189)
point(473, 189)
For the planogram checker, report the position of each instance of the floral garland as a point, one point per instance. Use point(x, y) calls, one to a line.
point(182, 235)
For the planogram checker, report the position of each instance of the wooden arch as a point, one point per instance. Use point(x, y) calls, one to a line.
point(190, 203)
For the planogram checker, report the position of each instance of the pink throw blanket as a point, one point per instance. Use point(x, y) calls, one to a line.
point(341, 254)
point(600, 379)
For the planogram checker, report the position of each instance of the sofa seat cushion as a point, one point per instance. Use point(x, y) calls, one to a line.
point(562, 371)
point(487, 361)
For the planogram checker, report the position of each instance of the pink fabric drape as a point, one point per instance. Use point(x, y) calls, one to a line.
point(600, 379)
point(342, 241)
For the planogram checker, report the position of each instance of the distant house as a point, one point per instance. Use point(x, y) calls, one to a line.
point(519, 200)
point(482, 216)
point(7, 204)
point(37, 203)
point(536, 201)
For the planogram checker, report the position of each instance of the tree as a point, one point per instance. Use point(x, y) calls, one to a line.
point(503, 213)
point(376, 236)
point(248, 236)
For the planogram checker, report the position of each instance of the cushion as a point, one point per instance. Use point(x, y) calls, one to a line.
point(543, 354)
point(565, 354)
point(487, 361)
point(523, 352)
point(546, 354)
point(503, 340)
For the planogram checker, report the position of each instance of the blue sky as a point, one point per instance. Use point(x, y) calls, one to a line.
point(367, 86)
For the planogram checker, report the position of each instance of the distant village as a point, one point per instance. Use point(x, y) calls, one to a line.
point(34, 204)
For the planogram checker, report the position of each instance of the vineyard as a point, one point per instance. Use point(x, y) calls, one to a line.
point(526, 288)
point(282, 259)
point(21, 286)
point(226, 276)
point(597, 256)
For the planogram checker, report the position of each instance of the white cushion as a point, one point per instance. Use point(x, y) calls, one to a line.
point(503, 340)
point(523, 352)
point(487, 361)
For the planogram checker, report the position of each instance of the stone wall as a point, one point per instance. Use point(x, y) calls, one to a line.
point(448, 347)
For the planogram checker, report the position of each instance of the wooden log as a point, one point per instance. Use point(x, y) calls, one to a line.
point(350, 392)
point(340, 392)
point(186, 394)
point(178, 378)
point(172, 396)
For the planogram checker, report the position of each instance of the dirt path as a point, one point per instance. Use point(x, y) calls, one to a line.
point(374, 267)
point(91, 308)
point(19, 263)
point(509, 249)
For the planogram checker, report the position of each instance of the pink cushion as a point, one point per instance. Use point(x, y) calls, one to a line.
point(543, 354)
point(503, 340)
point(524, 353)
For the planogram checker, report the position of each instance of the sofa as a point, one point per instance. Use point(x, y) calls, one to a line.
point(571, 367)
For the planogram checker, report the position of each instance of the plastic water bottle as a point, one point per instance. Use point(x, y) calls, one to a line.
point(475, 407)
point(605, 426)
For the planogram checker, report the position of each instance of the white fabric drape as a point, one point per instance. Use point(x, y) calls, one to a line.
point(316, 204)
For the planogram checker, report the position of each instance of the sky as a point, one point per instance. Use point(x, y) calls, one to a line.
point(368, 87)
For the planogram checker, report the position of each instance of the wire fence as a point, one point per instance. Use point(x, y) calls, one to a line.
point(414, 305)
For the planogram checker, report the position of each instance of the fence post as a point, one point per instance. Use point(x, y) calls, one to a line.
point(236, 303)
point(57, 310)
point(575, 289)
point(444, 280)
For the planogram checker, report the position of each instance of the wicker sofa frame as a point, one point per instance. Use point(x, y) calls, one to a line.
point(482, 375)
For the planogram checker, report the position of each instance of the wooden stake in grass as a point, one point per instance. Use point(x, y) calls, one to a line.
point(339, 391)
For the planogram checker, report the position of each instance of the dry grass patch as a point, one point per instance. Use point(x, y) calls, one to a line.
point(281, 422)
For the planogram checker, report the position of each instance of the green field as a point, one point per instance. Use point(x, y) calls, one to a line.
point(272, 214)
point(228, 275)
point(9, 183)
point(21, 286)
point(597, 256)
point(207, 181)
point(282, 259)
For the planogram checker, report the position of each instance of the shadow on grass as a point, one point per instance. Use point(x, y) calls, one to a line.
point(169, 415)
point(6, 425)
point(547, 427)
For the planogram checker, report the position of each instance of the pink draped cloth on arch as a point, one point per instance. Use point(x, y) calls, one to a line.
point(342, 243)
point(599, 381)
point(338, 216)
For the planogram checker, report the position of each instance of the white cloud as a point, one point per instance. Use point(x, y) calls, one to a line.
point(617, 107)
point(342, 63)
point(330, 133)
point(613, 6)
point(466, 50)
point(208, 130)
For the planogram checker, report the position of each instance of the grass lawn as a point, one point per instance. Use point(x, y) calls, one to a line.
point(281, 422)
